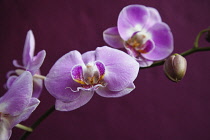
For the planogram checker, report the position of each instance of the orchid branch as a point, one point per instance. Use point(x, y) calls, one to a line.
point(23, 127)
point(39, 120)
point(195, 48)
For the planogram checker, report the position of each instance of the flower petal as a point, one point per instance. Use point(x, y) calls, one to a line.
point(29, 47)
point(131, 19)
point(10, 81)
point(105, 92)
point(16, 64)
point(34, 102)
point(18, 96)
point(59, 80)
point(144, 62)
point(153, 18)
point(89, 57)
point(37, 87)
point(36, 62)
point(112, 37)
point(84, 97)
point(163, 39)
point(121, 69)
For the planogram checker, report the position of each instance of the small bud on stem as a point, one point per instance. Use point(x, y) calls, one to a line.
point(175, 67)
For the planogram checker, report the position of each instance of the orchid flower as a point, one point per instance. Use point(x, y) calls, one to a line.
point(30, 63)
point(17, 104)
point(143, 34)
point(74, 77)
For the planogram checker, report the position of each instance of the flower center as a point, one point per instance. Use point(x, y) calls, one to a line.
point(89, 75)
point(2, 115)
point(140, 43)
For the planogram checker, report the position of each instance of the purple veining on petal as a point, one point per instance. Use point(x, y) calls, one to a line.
point(153, 18)
point(18, 96)
point(16, 64)
point(112, 37)
point(163, 39)
point(59, 77)
point(83, 99)
point(77, 74)
point(29, 48)
point(121, 69)
point(10, 81)
point(147, 47)
point(131, 19)
point(105, 92)
point(101, 68)
point(36, 62)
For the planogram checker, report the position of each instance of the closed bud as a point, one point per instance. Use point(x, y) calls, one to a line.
point(175, 67)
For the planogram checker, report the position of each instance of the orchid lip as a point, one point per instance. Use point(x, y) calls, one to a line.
point(140, 42)
point(90, 76)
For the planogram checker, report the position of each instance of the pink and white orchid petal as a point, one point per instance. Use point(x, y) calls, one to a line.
point(121, 69)
point(18, 96)
point(163, 39)
point(34, 102)
point(132, 19)
point(83, 99)
point(153, 18)
point(89, 57)
point(105, 92)
point(29, 48)
point(10, 81)
point(112, 37)
point(36, 62)
point(59, 80)
point(16, 64)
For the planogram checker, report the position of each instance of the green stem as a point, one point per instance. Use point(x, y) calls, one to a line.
point(188, 52)
point(198, 37)
point(43, 117)
point(23, 127)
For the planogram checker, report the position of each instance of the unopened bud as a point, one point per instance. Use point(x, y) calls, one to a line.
point(175, 67)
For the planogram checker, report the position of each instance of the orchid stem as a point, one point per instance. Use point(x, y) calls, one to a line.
point(39, 76)
point(198, 37)
point(188, 52)
point(23, 127)
point(39, 120)
point(195, 48)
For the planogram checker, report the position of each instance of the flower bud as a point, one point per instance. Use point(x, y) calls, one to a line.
point(175, 67)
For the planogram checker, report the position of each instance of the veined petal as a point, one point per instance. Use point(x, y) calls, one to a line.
point(10, 81)
point(105, 92)
point(36, 62)
point(121, 69)
point(153, 18)
point(59, 81)
point(77, 74)
point(88, 57)
point(163, 39)
point(84, 98)
point(112, 37)
point(29, 47)
point(18, 96)
point(143, 62)
point(16, 64)
point(34, 102)
point(37, 87)
point(131, 19)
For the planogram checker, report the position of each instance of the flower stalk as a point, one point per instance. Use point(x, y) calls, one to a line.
point(23, 127)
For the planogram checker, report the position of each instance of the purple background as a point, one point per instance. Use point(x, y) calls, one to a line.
point(157, 109)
